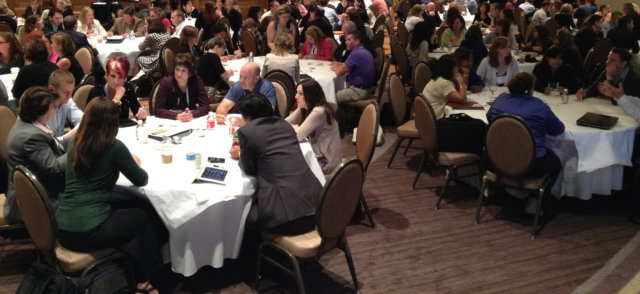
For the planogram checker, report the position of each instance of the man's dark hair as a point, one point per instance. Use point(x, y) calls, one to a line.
point(53, 11)
point(255, 105)
point(217, 28)
point(35, 102)
point(623, 53)
point(462, 53)
point(69, 22)
point(36, 51)
point(624, 21)
point(356, 35)
point(129, 11)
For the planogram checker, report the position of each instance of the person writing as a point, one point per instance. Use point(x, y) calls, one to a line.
point(316, 120)
point(286, 198)
point(248, 82)
point(183, 90)
point(91, 214)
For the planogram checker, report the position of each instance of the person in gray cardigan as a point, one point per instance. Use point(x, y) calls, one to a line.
point(31, 143)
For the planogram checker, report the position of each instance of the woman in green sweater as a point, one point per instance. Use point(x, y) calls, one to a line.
point(88, 217)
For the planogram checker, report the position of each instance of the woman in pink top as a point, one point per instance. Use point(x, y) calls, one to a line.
point(382, 6)
point(317, 46)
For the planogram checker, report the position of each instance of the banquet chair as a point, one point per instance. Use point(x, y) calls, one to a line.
point(81, 95)
point(399, 105)
point(426, 124)
point(404, 9)
point(511, 152)
point(421, 76)
point(380, 21)
point(366, 137)
point(400, 58)
point(402, 33)
point(167, 59)
point(389, 23)
point(596, 59)
point(528, 35)
point(38, 215)
point(21, 33)
point(5, 28)
point(249, 43)
point(378, 39)
point(281, 97)
point(287, 82)
point(152, 98)
point(336, 204)
point(334, 44)
point(85, 58)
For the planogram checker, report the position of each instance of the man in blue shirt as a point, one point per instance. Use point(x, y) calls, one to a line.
point(249, 82)
point(62, 82)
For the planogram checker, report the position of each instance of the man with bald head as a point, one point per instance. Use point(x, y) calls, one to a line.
point(249, 82)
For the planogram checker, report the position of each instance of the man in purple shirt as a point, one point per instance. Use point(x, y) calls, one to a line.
point(361, 69)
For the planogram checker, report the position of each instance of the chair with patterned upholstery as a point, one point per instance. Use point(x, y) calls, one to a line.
point(335, 208)
point(511, 152)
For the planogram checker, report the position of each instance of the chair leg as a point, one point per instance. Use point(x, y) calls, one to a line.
point(483, 186)
point(422, 165)
point(407, 148)
point(367, 211)
point(352, 268)
point(444, 188)
point(393, 155)
point(534, 232)
point(294, 271)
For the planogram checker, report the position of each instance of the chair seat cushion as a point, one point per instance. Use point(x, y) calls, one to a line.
point(3, 221)
point(408, 130)
point(72, 261)
point(528, 184)
point(302, 246)
point(456, 158)
point(360, 103)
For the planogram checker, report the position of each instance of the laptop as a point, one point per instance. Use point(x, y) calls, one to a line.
point(212, 174)
point(596, 120)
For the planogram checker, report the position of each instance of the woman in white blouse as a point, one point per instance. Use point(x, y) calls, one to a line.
point(88, 25)
point(282, 57)
point(498, 67)
point(315, 119)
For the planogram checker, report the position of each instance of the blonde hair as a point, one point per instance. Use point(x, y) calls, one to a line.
point(83, 13)
point(60, 76)
point(283, 44)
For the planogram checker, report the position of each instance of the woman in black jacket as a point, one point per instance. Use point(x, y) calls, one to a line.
point(553, 74)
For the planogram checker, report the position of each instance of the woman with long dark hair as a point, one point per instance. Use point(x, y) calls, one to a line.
point(552, 73)
point(473, 41)
point(540, 41)
point(10, 52)
point(418, 47)
point(89, 217)
point(315, 119)
point(498, 68)
point(482, 17)
point(454, 35)
point(253, 18)
point(570, 53)
point(441, 88)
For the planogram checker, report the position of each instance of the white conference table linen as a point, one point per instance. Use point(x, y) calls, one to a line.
point(592, 159)
point(319, 70)
point(7, 80)
point(128, 48)
point(205, 221)
point(522, 66)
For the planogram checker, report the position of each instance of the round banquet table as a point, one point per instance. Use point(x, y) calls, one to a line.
point(205, 221)
point(592, 159)
point(319, 70)
point(522, 66)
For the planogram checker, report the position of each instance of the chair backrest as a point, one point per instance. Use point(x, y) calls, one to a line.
point(167, 56)
point(334, 44)
point(225, 21)
point(378, 61)
point(7, 119)
point(510, 146)
point(81, 95)
point(36, 212)
point(249, 43)
point(367, 134)
point(404, 9)
point(152, 98)
point(5, 28)
point(426, 124)
point(403, 34)
point(339, 199)
point(400, 58)
point(85, 58)
point(378, 39)
point(390, 27)
point(281, 97)
point(21, 33)
point(287, 82)
point(596, 59)
point(398, 98)
point(552, 25)
point(380, 21)
point(382, 83)
point(529, 32)
point(421, 76)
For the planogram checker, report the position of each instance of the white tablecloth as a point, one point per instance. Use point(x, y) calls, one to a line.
point(7, 81)
point(319, 70)
point(128, 48)
point(522, 66)
point(205, 221)
point(593, 159)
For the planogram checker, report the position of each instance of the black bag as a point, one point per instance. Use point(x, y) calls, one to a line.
point(460, 133)
point(42, 278)
point(114, 276)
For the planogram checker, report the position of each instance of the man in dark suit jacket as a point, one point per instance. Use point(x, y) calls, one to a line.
point(617, 71)
point(287, 193)
point(34, 8)
point(79, 39)
point(53, 24)
point(29, 145)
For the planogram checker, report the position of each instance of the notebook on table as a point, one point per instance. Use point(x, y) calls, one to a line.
point(596, 120)
point(115, 39)
point(471, 104)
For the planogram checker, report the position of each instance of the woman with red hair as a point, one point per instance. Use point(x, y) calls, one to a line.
point(119, 90)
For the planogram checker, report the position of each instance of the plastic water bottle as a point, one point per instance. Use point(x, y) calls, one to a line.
point(142, 134)
point(449, 47)
point(565, 96)
point(516, 50)
point(132, 35)
point(250, 56)
point(211, 121)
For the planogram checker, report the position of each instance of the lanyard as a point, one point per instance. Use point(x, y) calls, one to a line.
point(187, 88)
